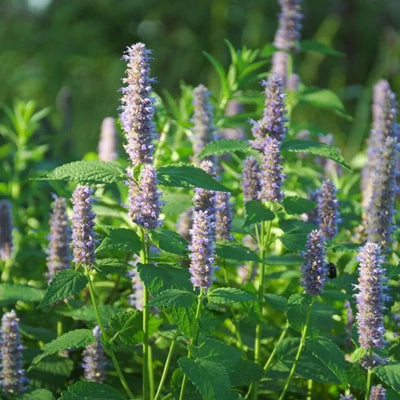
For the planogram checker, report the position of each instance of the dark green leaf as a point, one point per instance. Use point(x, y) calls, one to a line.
point(70, 340)
point(87, 314)
point(312, 45)
point(297, 205)
point(95, 172)
point(174, 298)
point(185, 319)
point(275, 301)
point(188, 176)
point(285, 259)
point(10, 293)
point(121, 239)
point(38, 394)
point(390, 375)
point(91, 391)
point(111, 266)
point(230, 295)
point(294, 241)
point(316, 148)
point(224, 146)
point(63, 285)
point(169, 241)
point(245, 372)
point(257, 212)
point(232, 251)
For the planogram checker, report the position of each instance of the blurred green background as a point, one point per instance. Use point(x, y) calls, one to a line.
point(67, 54)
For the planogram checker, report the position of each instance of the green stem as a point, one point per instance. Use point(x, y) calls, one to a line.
point(276, 345)
point(299, 350)
point(5, 276)
point(309, 389)
point(368, 384)
point(107, 345)
point(166, 367)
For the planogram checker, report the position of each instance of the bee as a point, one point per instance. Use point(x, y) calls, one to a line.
point(332, 271)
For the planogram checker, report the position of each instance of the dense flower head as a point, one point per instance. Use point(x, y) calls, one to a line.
point(314, 269)
point(138, 105)
point(135, 299)
point(279, 67)
point(58, 251)
point(145, 199)
point(370, 297)
point(378, 392)
point(93, 359)
point(251, 179)
point(273, 122)
point(346, 397)
point(328, 209)
point(288, 34)
point(203, 128)
point(12, 376)
point(202, 250)
point(6, 227)
point(83, 237)
point(184, 224)
point(271, 177)
point(108, 140)
point(223, 216)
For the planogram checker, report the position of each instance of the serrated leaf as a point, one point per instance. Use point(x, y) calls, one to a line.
point(275, 301)
point(91, 391)
point(211, 379)
point(174, 298)
point(358, 354)
point(390, 375)
point(185, 319)
point(96, 172)
point(245, 372)
point(297, 205)
point(121, 239)
point(321, 48)
point(164, 276)
point(232, 251)
point(70, 340)
point(38, 394)
point(229, 296)
point(315, 148)
point(169, 241)
point(188, 176)
point(222, 146)
point(294, 241)
point(87, 314)
point(12, 292)
point(111, 266)
point(257, 212)
point(65, 284)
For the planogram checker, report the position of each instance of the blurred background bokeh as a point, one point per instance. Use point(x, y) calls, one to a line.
point(67, 54)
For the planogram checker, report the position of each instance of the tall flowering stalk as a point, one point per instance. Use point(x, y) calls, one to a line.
point(93, 359)
point(223, 216)
point(12, 376)
point(83, 237)
point(58, 251)
point(138, 105)
point(328, 210)
point(6, 227)
point(251, 179)
point(107, 149)
point(280, 65)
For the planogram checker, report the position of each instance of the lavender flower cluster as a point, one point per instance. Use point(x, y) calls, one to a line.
point(6, 227)
point(93, 359)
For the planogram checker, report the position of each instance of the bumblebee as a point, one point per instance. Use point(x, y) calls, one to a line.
point(332, 271)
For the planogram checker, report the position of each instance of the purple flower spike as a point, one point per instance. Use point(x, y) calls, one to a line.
point(203, 129)
point(108, 140)
point(251, 179)
point(6, 227)
point(138, 105)
point(83, 237)
point(347, 397)
point(223, 216)
point(314, 269)
point(328, 210)
point(377, 393)
point(280, 61)
point(185, 224)
point(135, 299)
point(93, 359)
point(271, 176)
point(288, 34)
point(202, 250)
point(12, 376)
point(58, 252)
point(371, 297)
point(144, 199)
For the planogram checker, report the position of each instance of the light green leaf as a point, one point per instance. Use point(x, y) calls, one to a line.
point(316, 47)
point(174, 298)
point(390, 375)
point(121, 239)
point(232, 251)
point(229, 296)
point(257, 212)
point(91, 391)
point(63, 285)
point(10, 293)
point(297, 205)
point(169, 241)
point(38, 394)
point(222, 146)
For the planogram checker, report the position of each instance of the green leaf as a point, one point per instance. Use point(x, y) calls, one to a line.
point(63, 285)
point(232, 251)
point(285, 259)
point(96, 172)
point(210, 378)
point(275, 301)
point(91, 391)
point(188, 176)
point(358, 354)
point(185, 319)
point(169, 241)
point(87, 314)
point(70, 340)
point(297, 205)
point(230, 295)
point(38, 394)
point(390, 375)
point(10, 293)
point(316, 47)
point(329, 354)
point(222, 146)
point(219, 68)
point(257, 212)
point(294, 241)
point(129, 326)
point(315, 148)
point(111, 266)
point(174, 298)
point(245, 372)
point(164, 276)
point(121, 239)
